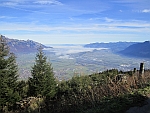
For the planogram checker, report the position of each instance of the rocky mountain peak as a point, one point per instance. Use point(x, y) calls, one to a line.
point(23, 46)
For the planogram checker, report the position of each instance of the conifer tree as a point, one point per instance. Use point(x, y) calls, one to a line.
point(42, 82)
point(8, 77)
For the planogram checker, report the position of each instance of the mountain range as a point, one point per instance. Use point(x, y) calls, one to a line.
point(22, 46)
point(132, 49)
point(138, 50)
point(114, 46)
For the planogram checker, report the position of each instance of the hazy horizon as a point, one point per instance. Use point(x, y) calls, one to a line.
point(70, 44)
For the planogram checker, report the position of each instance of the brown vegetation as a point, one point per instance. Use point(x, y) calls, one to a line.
point(98, 93)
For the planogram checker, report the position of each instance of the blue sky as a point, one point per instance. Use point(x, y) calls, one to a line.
point(75, 21)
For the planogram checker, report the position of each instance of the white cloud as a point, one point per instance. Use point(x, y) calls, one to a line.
point(146, 11)
point(108, 19)
point(6, 17)
point(115, 26)
point(2, 17)
point(9, 3)
point(120, 11)
point(142, 11)
point(134, 4)
point(46, 2)
point(63, 51)
point(20, 4)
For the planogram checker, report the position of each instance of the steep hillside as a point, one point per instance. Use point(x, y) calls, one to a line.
point(138, 50)
point(22, 46)
point(114, 46)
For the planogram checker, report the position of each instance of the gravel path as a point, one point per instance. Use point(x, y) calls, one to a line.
point(143, 109)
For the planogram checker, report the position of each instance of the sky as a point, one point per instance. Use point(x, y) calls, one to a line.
point(75, 21)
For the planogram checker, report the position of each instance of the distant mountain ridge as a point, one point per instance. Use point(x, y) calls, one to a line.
point(22, 46)
point(138, 50)
point(114, 46)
